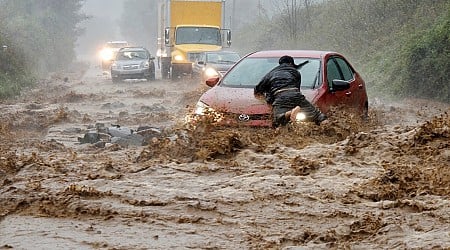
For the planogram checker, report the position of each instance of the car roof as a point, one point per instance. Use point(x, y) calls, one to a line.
point(221, 51)
point(293, 53)
point(133, 49)
point(111, 42)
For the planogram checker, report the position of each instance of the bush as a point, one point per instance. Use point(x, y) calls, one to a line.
point(428, 63)
point(399, 46)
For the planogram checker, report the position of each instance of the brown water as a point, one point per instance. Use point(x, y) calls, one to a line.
point(381, 184)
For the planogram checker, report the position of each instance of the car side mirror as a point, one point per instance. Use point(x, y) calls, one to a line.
point(152, 58)
point(211, 82)
point(167, 36)
point(340, 85)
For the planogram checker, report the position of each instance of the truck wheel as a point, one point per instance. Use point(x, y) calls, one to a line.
point(175, 74)
point(165, 68)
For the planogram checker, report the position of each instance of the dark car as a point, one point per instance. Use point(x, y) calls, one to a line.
point(214, 64)
point(133, 63)
point(328, 79)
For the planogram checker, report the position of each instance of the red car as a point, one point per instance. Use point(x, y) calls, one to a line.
point(327, 80)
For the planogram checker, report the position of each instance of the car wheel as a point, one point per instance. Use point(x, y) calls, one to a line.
point(365, 114)
point(116, 80)
point(152, 73)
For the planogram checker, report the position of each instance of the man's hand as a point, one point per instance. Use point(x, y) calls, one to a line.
point(259, 96)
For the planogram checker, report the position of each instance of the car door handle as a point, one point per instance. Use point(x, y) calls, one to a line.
point(360, 86)
point(349, 93)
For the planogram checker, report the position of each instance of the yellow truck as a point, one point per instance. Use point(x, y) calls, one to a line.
point(187, 28)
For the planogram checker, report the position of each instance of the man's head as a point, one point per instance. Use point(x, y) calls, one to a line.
point(286, 59)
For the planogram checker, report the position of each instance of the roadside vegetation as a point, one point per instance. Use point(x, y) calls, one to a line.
point(400, 46)
point(40, 37)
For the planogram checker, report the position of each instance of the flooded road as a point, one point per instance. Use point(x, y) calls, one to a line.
point(380, 184)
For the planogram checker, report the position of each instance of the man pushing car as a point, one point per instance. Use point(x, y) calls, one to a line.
point(281, 89)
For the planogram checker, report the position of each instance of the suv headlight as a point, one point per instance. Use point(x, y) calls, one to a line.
point(145, 65)
point(106, 54)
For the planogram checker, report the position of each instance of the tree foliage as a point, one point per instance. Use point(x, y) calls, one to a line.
point(40, 35)
point(45, 30)
point(394, 43)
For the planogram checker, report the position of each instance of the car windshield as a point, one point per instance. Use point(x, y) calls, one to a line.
point(198, 35)
point(117, 45)
point(225, 58)
point(131, 55)
point(249, 72)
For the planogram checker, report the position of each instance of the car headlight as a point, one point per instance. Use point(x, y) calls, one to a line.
point(210, 72)
point(145, 65)
point(178, 58)
point(106, 54)
point(203, 109)
point(300, 117)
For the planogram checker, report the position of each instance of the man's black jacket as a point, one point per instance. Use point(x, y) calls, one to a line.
point(283, 76)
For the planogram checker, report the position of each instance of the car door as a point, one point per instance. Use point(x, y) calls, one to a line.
point(355, 90)
point(358, 94)
point(338, 69)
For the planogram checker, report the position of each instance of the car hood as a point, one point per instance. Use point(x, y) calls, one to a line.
point(185, 48)
point(239, 100)
point(220, 66)
point(130, 62)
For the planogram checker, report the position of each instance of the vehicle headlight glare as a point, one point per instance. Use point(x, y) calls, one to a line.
point(201, 108)
point(300, 117)
point(178, 58)
point(106, 54)
point(210, 72)
point(204, 110)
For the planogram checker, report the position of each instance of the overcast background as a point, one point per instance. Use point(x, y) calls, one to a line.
point(107, 17)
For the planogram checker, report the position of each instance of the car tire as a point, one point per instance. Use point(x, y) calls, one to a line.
point(116, 79)
point(152, 77)
point(365, 113)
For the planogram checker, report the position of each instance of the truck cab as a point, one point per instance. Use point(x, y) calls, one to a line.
point(194, 27)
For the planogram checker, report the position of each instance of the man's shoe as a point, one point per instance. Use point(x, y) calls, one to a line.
point(294, 113)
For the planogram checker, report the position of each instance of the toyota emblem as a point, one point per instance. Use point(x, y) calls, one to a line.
point(244, 117)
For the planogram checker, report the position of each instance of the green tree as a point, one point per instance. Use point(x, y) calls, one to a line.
point(393, 43)
point(46, 30)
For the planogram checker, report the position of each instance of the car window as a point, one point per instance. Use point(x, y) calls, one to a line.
point(249, 72)
point(345, 69)
point(310, 73)
point(212, 58)
point(332, 71)
point(131, 55)
point(222, 58)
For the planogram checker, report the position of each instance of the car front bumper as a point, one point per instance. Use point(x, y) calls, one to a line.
point(130, 74)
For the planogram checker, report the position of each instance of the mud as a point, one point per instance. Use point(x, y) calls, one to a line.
point(383, 183)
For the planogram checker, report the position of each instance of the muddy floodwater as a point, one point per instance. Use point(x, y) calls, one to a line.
point(350, 184)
